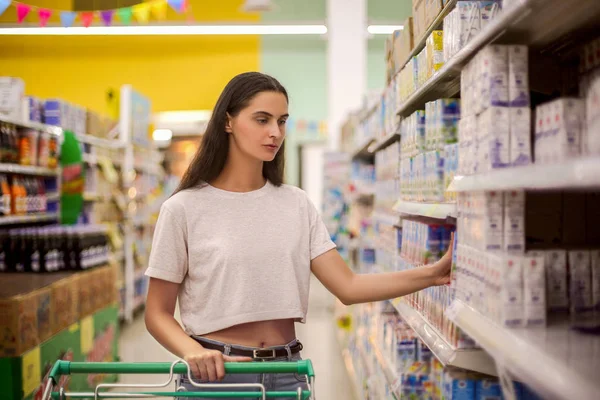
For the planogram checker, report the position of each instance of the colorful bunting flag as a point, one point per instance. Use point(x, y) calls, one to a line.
point(86, 18)
point(107, 16)
point(177, 5)
point(4, 5)
point(44, 15)
point(22, 11)
point(159, 9)
point(323, 127)
point(67, 18)
point(142, 12)
point(125, 15)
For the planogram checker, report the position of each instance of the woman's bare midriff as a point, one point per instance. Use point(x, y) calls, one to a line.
point(257, 334)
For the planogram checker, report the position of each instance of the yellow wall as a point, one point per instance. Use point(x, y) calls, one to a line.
point(177, 72)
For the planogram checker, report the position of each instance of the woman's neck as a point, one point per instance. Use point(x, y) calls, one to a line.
point(240, 175)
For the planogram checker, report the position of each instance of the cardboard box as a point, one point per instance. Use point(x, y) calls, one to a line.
point(65, 297)
point(432, 9)
point(403, 44)
point(12, 94)
point(19, 324)
point(44, 313)
point(419, 20)
point(86, 301)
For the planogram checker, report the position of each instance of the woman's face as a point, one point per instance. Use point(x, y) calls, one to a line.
point(259, 129)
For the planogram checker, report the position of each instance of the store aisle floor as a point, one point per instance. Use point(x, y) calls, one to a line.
point(317, 335)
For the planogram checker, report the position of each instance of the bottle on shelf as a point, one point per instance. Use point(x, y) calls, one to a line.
point(5, 195)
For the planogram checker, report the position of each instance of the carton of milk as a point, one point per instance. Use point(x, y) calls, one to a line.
point(514, 221)
point(57, 113)
point(534, 284)
point(518, 76)
point(567, 122)
point(557, 290)
point(488, 389)
point(511, 292)
point(592, 132)
point(492, 77)
point(493, 139)
point(520, 136)
point(580, 282)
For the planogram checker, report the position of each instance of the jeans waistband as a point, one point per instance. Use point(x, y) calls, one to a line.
point(241, 347)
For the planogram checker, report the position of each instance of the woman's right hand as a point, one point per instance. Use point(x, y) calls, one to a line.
point(208, 365)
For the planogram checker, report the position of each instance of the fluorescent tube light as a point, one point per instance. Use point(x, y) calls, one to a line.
point(383, 29)
point(171, 30)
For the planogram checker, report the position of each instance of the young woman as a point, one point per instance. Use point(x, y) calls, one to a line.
point(237, 247)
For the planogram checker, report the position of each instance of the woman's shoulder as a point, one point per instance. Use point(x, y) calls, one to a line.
point(180, 201)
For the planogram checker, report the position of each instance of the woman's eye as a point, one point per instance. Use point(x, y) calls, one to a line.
point(261, 121)
point(282, 122)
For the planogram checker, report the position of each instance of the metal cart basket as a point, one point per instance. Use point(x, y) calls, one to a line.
point(61, 368)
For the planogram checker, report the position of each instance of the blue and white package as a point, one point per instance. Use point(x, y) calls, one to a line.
point(488, 389)
point(33, 109)
point(56, 112)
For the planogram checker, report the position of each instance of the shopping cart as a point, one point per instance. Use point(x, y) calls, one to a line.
point(62, 368)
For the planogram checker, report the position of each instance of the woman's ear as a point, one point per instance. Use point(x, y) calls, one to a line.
point(228, 123)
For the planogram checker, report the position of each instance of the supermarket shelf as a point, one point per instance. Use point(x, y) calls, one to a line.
point(420, 45)
point(572, 174)
point(531, 22)
point(53, 196)
point(26, 219)
point(352, 374)
point(89, 159)
point(27, 170)
point(431, 210)
point(391, 375)
point(557, 362)
point(54, 130)
point(364, 151)
point(100, 142)
point(386, 141)
point(474, 360)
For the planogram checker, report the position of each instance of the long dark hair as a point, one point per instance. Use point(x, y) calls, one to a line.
point(209, 161)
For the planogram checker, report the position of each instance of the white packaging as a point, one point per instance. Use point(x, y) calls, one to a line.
point(493, 138)
point(592, 131)
point(488, 10)
point(514, 221)
point(492, 77)
point(511, 292)
point(534, 284)
point(468, 21)
point(566, 125)
point(12, 94)
point(580, 281)
point(520, 136)
point(518, 76)
point(555, 262)
point(541, 155)
point(595, 255)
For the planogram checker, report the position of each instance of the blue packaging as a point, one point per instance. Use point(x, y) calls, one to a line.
point(56, 113)
point(488, 389)
point(462, 389)
point(33, 109)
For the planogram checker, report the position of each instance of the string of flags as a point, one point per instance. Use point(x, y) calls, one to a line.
point(142, 12)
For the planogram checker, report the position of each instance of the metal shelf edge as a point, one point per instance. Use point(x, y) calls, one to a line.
point(430, 210)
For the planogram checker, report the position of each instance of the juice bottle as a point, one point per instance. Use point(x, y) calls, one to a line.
point(5, 203)
point(43, 199)
point(14, 145)
point(3, 142)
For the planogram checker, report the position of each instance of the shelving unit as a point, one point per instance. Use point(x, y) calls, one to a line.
point(386, 141)
point(27, 219)
point(473, 360)
point(557, 361)
point(573, 174)
point(27, 170)
point(430, 210)
point(390, 375)
point(364, 151)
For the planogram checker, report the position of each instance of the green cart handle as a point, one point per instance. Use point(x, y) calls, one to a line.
point(61, 367)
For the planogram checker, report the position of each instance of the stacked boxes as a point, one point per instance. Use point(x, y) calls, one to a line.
point(495, 122)
point(592, 133)
point(12, 94)
point(434, 48)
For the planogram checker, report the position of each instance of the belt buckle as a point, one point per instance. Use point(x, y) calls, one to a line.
point(264, 354)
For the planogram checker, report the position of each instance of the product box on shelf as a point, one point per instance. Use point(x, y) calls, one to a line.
point(488, 389)
point(514, 221)
point(19, 324)
point(511, 276)
point(12, 92)
point(534, 283)
point(559, 130)
point(434, 48)
point(403, 44)
point(33, 109)
point(520, 140)
point(419, 19)
point(580, 271)
point(65, 297)
point(491, 66)
point(57, 112)
point(592, 133)
point(432, 10)
point(518, 76)
point(555, 262)
point(493, 138)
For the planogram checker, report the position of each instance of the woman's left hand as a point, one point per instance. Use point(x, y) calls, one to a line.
point(441, 270)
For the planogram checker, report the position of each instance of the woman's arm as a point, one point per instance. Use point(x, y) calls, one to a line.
point(353, 288)
point(160, 320)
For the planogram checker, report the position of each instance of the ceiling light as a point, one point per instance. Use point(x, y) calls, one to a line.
point(170, 30)
point(162, 135)
point(383, 29)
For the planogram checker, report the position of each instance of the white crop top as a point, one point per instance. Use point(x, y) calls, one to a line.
point(240, 257)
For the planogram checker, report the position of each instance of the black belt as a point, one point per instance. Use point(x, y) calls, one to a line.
point(257, 354)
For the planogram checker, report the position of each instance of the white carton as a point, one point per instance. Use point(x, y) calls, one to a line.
point(518, 76)
point(595, 255)
point(534, 283)
point(469, 21)
point(493, 220)
point(493, 139)
point(12, 94)
point(514, 221)
point(566, 126)
point(556, 280)
point(511, 292)
point(520, 136)
point(580, 281)
point(492, 77)
point(540, 149)
point(592, 132)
